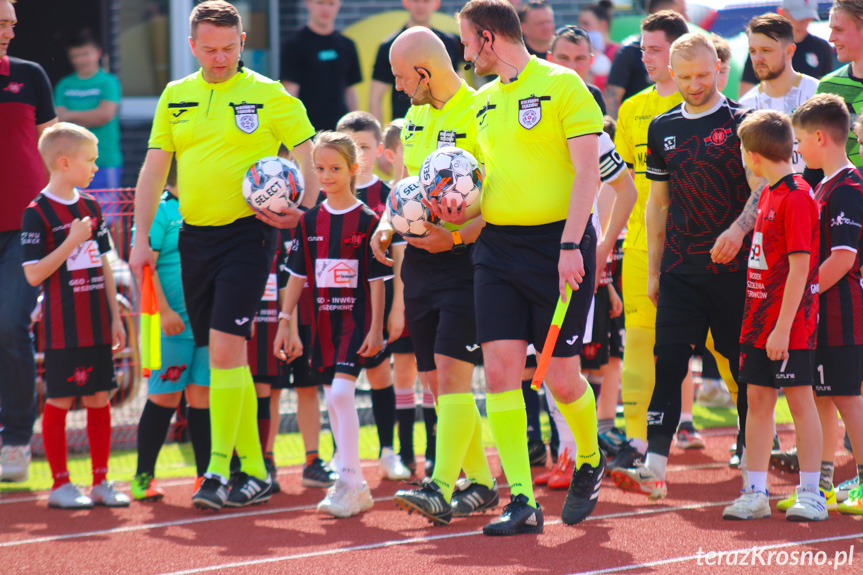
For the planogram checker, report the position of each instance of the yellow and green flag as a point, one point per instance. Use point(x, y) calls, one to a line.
point(151, 331)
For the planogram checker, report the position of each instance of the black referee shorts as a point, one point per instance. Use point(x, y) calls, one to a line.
point(439, 306)
point(516, 285)
point(225, 270)
point(689, 305)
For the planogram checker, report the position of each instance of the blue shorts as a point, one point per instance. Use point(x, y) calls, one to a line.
point(182, 364)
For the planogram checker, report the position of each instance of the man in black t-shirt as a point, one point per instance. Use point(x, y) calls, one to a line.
point(321, 67)
point(698, 214)
point(383, 80)
point(813, 56)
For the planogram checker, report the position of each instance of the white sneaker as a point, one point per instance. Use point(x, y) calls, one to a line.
point(391, 465)
point(808, 507)
point(14, 463)
point(344, 501)
point(714, 393)
point(846, 487)
point(750, 505)
point(105, 494)
point(67, 496)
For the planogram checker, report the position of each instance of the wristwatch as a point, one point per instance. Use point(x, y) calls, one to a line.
point(458, 246)
point(284, 316)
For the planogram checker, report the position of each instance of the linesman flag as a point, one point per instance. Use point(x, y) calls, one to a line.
point(151, 331)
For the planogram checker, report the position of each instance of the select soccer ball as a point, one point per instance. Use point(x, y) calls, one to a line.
point(406, 210)
point(273, 184)
point(451, 173)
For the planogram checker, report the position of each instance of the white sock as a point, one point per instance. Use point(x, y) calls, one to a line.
point(334, 422)
point(638, 444)
point(758, 480)
point(341, 402)
point(657, 464)
point(685, 418)
point(809, 480)
point(567, 440)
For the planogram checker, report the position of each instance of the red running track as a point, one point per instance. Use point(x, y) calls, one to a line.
point(626, 534)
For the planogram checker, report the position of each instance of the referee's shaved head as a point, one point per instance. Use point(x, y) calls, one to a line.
point(418, 46)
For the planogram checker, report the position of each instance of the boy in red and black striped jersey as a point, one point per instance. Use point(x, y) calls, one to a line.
point(365, 130)
point(821, 125)
point(334, 256)
point(265, 366)
point(778, 334)
point(65, 246)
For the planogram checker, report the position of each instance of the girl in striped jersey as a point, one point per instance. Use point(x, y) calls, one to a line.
point(333, 254)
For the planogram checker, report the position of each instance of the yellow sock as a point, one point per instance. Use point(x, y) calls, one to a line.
point(637, 380)
point(722, 366)
point(508, 421)
point(248, 438)
point(455, 428)
point(581, 417)
point(226, 393)
point(475, 466)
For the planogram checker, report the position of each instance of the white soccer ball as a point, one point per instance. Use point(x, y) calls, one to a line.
point(273, 184)
point(451, 173)
point(406, 210)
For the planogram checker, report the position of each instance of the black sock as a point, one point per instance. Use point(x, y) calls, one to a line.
point(430, 417)
point(406, 418)
point(264, 421)
point(384, 410)
point(531, 405)
point(199, 432)
point(152, 430)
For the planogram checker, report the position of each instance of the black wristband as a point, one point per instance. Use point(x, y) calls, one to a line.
point(570, 246)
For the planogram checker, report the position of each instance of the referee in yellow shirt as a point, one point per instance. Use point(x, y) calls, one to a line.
point(537, 127)
point(219, 121)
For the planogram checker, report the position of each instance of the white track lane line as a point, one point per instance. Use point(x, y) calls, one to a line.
point(421, 540)
point(686, 558)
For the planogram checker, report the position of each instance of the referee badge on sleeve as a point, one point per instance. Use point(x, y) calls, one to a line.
point(246, 116)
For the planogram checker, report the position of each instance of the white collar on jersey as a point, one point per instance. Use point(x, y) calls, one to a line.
point(370, 183)
point(689, 116)
point(837, 172)
point(51, 196)
point(335, 212)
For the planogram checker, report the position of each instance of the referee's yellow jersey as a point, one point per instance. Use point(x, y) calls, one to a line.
point(630, 138)
point(522, 129)
point(426, 129)
point(217, 132)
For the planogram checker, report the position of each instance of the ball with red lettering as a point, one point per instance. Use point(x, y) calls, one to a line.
point(273, 184)
point(451, 173)
point(406, 210)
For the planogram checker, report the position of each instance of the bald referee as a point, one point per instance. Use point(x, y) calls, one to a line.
point(218, 121)
point(537, 127)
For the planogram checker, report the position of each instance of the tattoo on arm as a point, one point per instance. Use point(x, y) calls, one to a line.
point(746, 221)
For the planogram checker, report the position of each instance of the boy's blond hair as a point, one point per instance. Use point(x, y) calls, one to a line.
point(63, 139)
point(825, 112)
point(767, 133)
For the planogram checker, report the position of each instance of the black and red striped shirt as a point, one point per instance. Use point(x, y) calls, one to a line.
point(305, 307)
point(26, 101)
point(787, 223)
point(262, 361)
point(75, 304)
point(840, 198)
point(374, 195)
point(335, 256)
